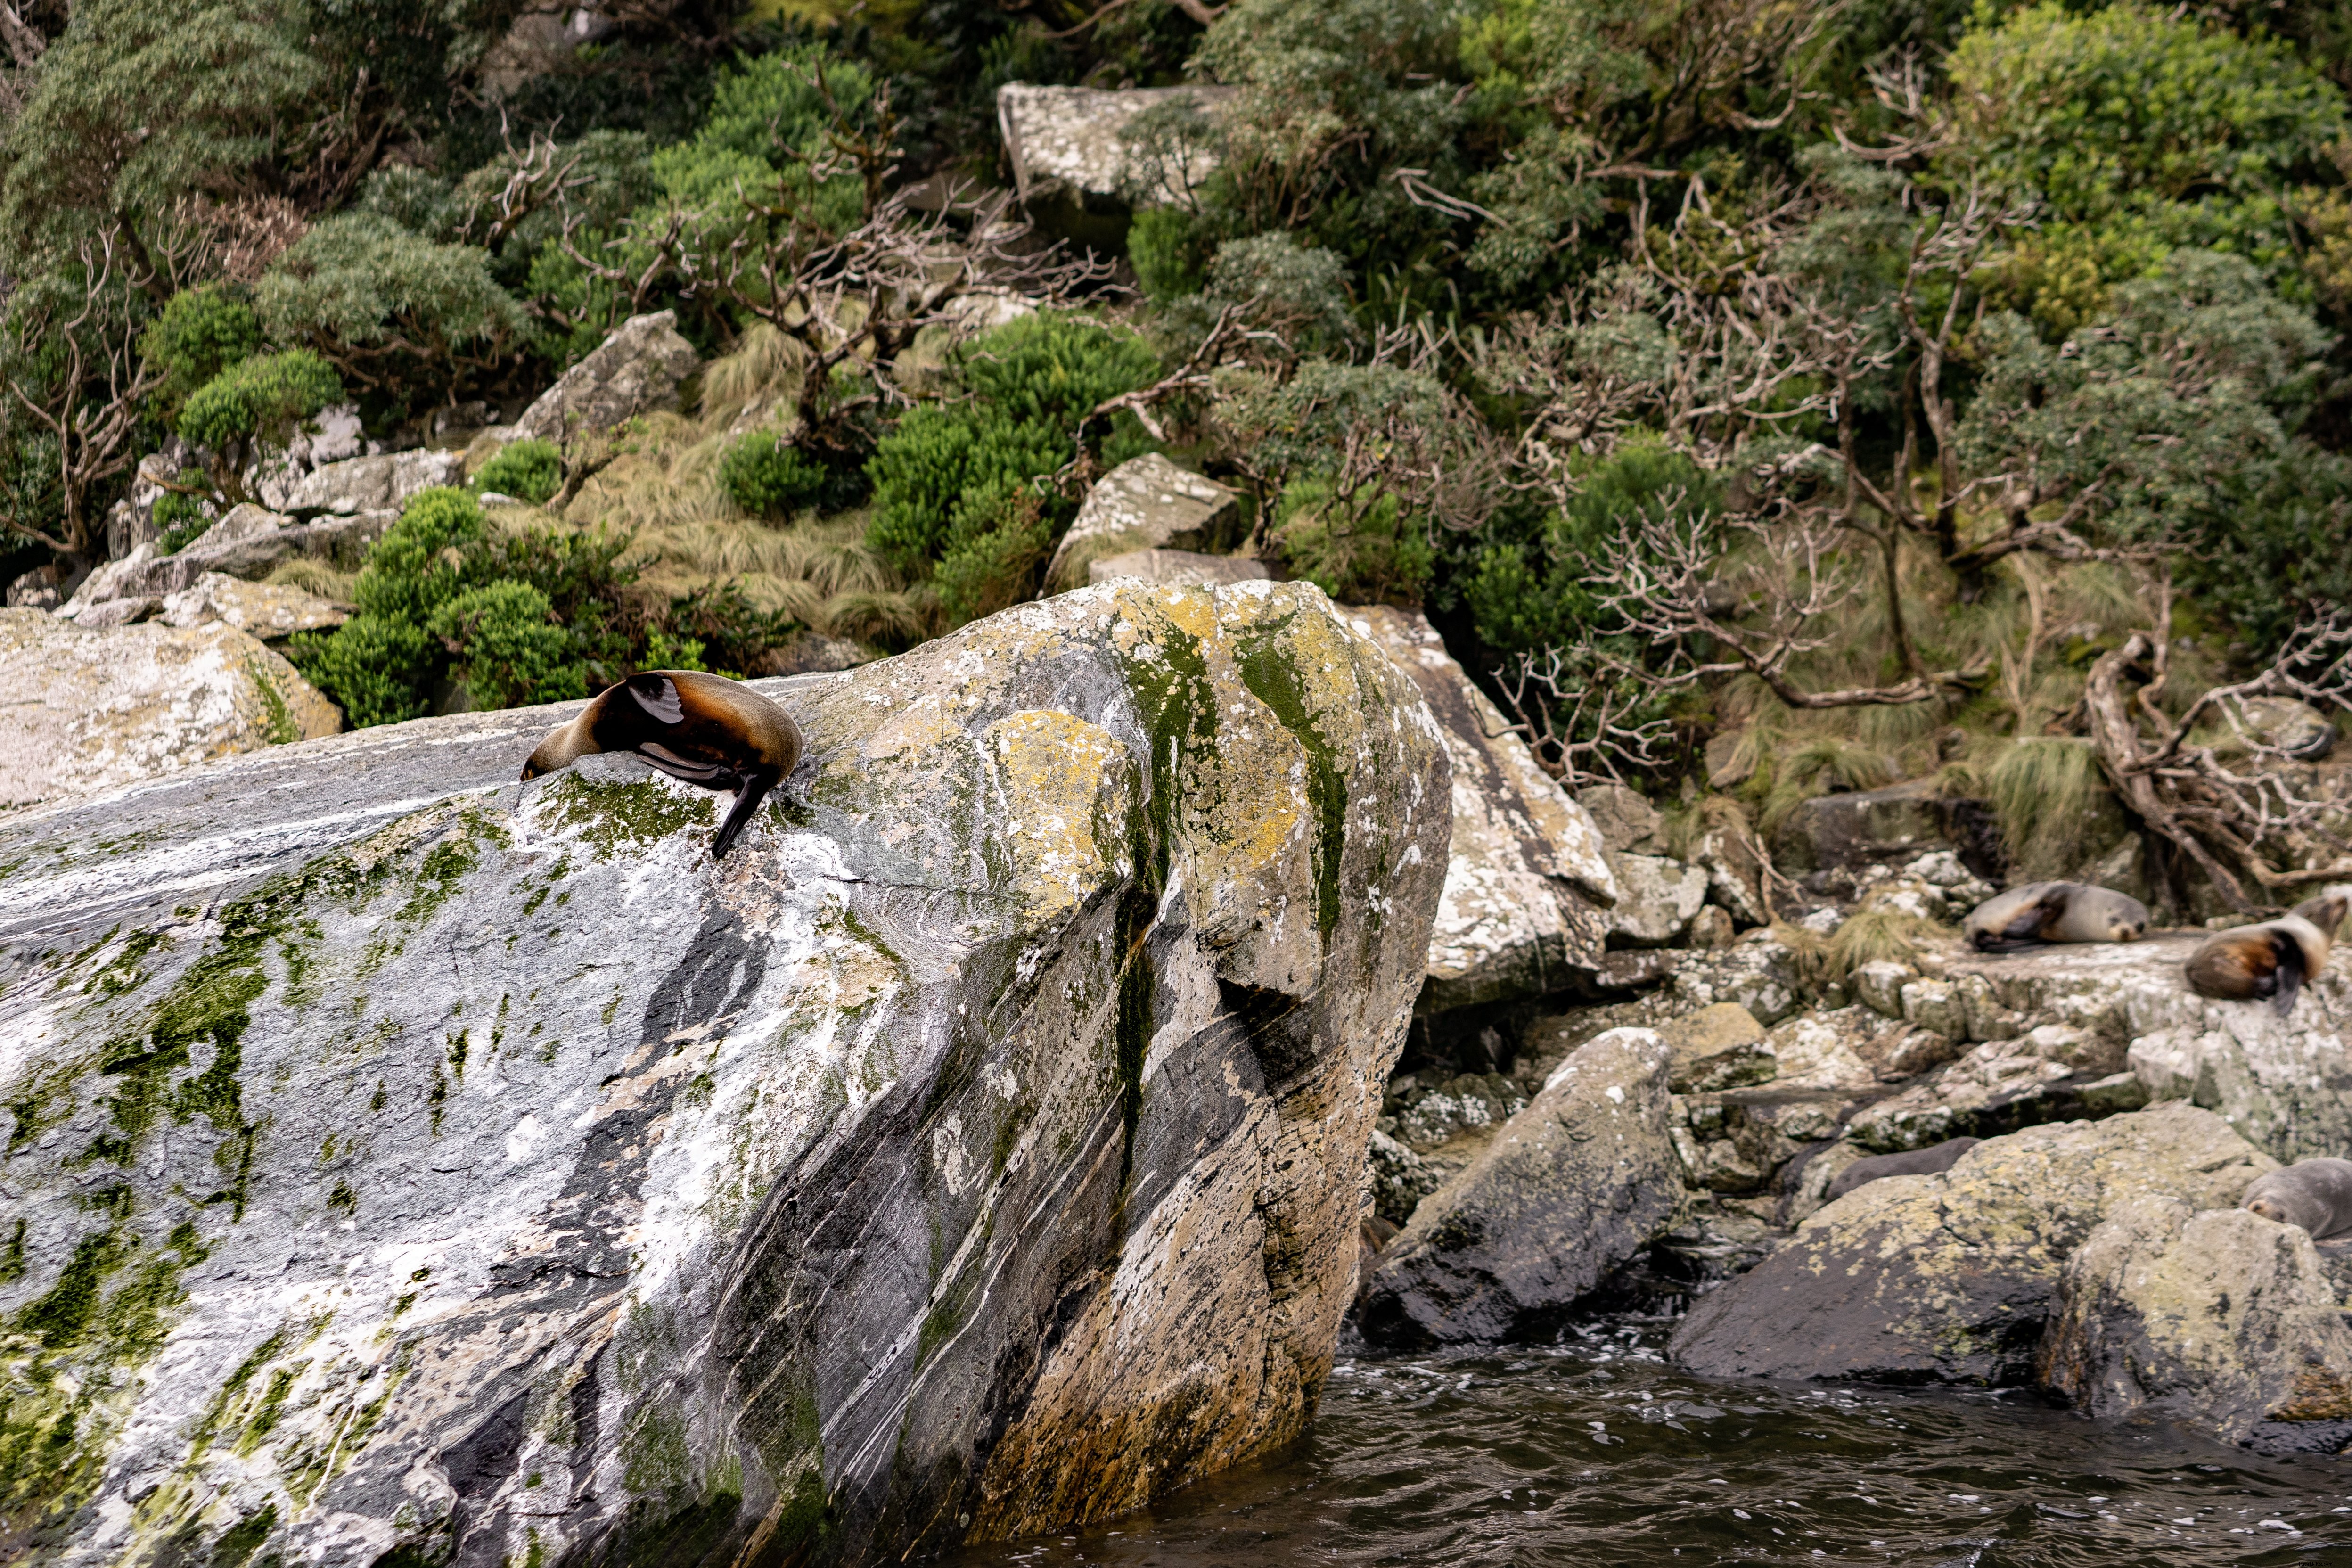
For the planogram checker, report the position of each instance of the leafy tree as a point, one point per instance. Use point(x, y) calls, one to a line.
point(383, 302)
point(261, 398)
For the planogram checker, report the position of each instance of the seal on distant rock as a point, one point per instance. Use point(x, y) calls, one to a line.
point(2273, 958)
point(704, 729)
point(2042, 912)
point(1910, 1162)
point(2314, 1194)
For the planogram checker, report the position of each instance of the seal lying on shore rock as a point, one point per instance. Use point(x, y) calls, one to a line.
point(704, 729)
point(2042, 912)
point(2314, 1194)
point(1930, 1162)
point(2273, 958)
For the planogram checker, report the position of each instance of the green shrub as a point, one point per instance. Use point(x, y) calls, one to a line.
point(377, 670)
point(528, 470)
point(180, 517)
point(360, 282)
point(505, 646)
point(1361, 550)
point(266, 396)
point(768, 478)
point(426, 559)
point(1164, 247)
point(199, 333)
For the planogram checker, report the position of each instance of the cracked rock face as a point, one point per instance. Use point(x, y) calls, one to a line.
point(491, 1175)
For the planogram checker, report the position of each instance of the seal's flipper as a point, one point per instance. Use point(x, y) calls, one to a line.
point(2286, 980)
point(657, 695)
point(712, 776)
point(756, 785)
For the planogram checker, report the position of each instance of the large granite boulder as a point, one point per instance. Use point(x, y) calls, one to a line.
point(416, 1162)
point(640, 369)
point(1187, 568)
point(1527, 881)
point(2223, 1319)
point(266, 610)
point(1147, 503)
point(1832, 839)
point(96, 709)
point(1577, 1183)
point(1952, 1278)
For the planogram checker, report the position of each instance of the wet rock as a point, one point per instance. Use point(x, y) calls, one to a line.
point(1428, 1116)
point(1721, 1047)
point(1951, 1278)
point(1065, 143)
point(96, 709)
point(1934, 1160)
point(1581, 1180)
point(1526, 876)
point(2224, 1321)
point(264, 610)
point(1831, 839)
point(981, 1140)
point(1996, 1088)
point(640, 369)
point(1657, 899)
point(1147, 503)
point(368, 484)
point(1400, 1178)
point(1179, 566)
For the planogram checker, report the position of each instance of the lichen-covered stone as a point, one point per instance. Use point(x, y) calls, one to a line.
point(147, 574)
point(1720, 1047)
point(2223, 1319)
point(1186, 567)
point(366, 484)
point(415, 1161)
point(97, 708)
point(1147, 503)
point(640, 369)
point(1526, 880)
point(260, 609)
point(1067, 140)
point(1657, 898)
point(1951, 1278)
point(1579, 1182)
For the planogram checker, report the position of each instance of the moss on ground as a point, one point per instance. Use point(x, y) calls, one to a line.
point(617, 817)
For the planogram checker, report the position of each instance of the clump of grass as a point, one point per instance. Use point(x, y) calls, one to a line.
point(1872, 935)
point(2043, 790)
point(313, 576)
point(1826, 764)
point(1809, 952)
point(763, 370)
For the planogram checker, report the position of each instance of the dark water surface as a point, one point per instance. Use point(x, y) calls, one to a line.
point(1596, 1452)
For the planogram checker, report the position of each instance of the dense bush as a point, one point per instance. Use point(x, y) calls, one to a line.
point(504, 645)
point(528, 470)
point(768, 478)
point(371, 295)
point(199, 333)
point(266, 396)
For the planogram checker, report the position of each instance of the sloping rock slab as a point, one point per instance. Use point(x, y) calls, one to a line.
point(1183, 566)
point(638, 370)
point(1068, 139)
point(367, 484)
point(1579, 1182)
point(978, 1145)
point(96, 709)
point(258, 608)
point(1951, 1278)
point(1147, 503)
point(1528, 875)
point(2224, 1320)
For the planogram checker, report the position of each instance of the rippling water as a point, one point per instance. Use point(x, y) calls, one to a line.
point(1597, 1453)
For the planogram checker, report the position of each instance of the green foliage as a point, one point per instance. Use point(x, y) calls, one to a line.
point(505, 646)
point(1359, 549)
point(426, 559)
point(199, 333)
point(2142, 133)
point(266, 396)
point(768, 478)
point(2043, 789)
point(179, 517)
point(377, 669)
point(2277, 547)
point(360, 288)
point(1298, 292)
point(1163, 245)
point(528, 470)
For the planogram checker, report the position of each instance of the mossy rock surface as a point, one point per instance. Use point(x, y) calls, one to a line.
point(413, 1161)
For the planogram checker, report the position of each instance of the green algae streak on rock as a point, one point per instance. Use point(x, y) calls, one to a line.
point(493, 1178)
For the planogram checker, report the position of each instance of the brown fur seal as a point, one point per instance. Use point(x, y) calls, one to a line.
point(704, 729)
point(2053, 911)
point(1911, 1162)
point(2273, 959)
point(2314, 1194)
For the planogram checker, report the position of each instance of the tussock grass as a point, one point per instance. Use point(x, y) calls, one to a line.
point(313, 576)
point(2043, 790)
point(1826, 764)
point(765, 369)
point(1871, 935)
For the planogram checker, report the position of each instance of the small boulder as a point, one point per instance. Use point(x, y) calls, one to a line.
point(638, 370)
point(1629, 824)
point(1147, 503)
point(1951, 1278)
point(1879, 984)
point(269, 611)
point(105, 708)
point(1721, 1047)
point(2285, 724)
point(1581, 1180)
point(247, 520)
point(358, 485)
point(2223, 1319)
point(1712, 927)
point(1065, 143)
point(1185, 567)
point(1658, 900)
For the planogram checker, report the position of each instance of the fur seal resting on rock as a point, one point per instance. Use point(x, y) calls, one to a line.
point(2042, 912)
point(1929, 1162)
point(2270, 959)
point(704, 729)
point(2314, 1194)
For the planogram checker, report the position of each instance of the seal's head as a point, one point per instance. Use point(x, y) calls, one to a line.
point(2270, 1209)
point(564, 746)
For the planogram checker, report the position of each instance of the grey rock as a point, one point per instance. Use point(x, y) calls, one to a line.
point(1721, 1047)
point(1183, 567)
point(1934, 1160)
point(1712, 927)
point(1400, 1178)
point(369, 484)
point(109, 612)
point(1581, 1180)
point(1147, 503)
point(1657, 899)
point(2285, 724)
point(1067, 141)
point(1525, 871)
point(640, 369)
point(1629, 824)
point(1879, 984)
point(2224, 1321)
point(1952, 1278)
point(1429, 1116)
point(144, 575)
point(266, 610)
point(1835, 836)
point(34, 590)
point(980, 1142)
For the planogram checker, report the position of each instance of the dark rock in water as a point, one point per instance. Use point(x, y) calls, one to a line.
point(412, 1161)
point(1581, 1180)
point(1951, 1279)
point(1926, 1162)
point(2224, 1320)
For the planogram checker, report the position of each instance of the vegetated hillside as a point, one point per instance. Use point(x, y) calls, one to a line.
point(1763, 399)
